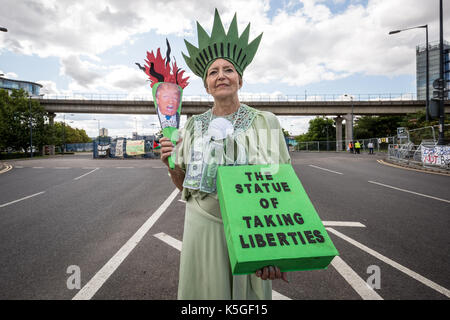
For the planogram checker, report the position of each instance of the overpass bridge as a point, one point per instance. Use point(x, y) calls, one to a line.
point(281, 106)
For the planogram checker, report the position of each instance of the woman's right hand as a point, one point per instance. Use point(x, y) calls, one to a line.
point(167, 148)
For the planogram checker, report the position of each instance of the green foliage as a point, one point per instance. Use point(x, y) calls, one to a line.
point(320, 129)
point(67, 134)
point(376, 126)
point(17, 111)
point(15, 118)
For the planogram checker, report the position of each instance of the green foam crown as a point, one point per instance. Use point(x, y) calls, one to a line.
point(228, 46)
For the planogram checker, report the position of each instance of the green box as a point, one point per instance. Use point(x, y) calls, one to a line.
point(269, 220)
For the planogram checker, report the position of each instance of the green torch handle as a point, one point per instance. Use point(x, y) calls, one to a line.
point(172, 134)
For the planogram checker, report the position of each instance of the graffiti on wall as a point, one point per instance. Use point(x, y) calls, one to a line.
point(437, 155)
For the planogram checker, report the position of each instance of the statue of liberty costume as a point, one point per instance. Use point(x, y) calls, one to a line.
point(248, 136)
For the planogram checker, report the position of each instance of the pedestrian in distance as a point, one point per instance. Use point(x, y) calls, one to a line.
point(370, 146)
point(357, 147)
point(350, 146)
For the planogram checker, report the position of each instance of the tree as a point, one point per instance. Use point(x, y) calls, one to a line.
point(320, 129)
point(376, 126)
point(15, 121)
point(64, 133)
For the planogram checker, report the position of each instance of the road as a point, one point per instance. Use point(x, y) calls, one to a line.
point(117, 225)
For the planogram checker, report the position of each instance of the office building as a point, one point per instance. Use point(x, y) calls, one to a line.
point(421, 62)
point(31, 88)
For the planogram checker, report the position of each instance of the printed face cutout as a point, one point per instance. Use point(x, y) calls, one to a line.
point(167, 97)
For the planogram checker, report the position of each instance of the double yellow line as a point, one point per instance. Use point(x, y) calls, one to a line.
point(7, 168)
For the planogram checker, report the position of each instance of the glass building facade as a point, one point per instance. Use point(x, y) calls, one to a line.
point(32, 88)
point(421, 63)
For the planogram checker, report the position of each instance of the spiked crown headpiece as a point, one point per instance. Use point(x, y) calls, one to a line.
point(228, 46)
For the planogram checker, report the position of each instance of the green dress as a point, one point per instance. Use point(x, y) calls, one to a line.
point(205, 271)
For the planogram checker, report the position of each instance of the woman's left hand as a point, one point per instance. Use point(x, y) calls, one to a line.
point(271, 273)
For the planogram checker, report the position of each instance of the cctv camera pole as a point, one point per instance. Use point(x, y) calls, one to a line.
point(441, 140)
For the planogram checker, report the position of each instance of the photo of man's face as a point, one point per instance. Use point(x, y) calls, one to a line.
point(168, 98)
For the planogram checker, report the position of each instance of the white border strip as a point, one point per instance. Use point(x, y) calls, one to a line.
point(325, 169)
point(416, 193)
point(24, 198)
point(177, 244)
point(77, 178)
point(394, 264)
point(343, 224)
point(89, 290)
point(357, 283)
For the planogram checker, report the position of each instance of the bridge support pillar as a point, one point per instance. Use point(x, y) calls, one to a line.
point(338, 121)
point(348, 128)
point(51, 118)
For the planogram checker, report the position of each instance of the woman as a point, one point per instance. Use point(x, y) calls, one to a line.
point(205, 271)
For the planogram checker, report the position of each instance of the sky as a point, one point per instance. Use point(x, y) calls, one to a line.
point(309, 48)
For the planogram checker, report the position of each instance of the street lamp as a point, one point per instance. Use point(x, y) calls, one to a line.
point(3, 29)
point(427, 106)
point(98, 126)
point(31, 128)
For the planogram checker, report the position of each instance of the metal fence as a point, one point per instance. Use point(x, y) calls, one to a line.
point(79, 147)
point(379, 144)
point(108, 148)
point(243, 97)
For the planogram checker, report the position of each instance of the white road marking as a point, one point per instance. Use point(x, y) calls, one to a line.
point(24, 198)
point(357, 283)
point(89, 290)
point(63, 167)
point(181, 200)
point(77, 178)
point(7, 168)
point(38, 167)
point(394, 264)
point(416, 193)
point(171, 241)
point(343, 224)
point(124, 167)
point(278, 296)
point(325, 169)
point(177, 244)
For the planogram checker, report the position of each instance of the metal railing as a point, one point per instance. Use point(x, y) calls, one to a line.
point(243, 97)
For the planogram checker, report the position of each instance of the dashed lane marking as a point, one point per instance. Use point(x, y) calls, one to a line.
point(21, 199)
point(325, 169)
point(78, 178)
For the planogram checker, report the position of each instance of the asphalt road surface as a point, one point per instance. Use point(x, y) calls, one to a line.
point(79, 228)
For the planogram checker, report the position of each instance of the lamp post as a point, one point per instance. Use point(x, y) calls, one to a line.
point(31, 128)
point(3, 29)
point(427, 67)
point(98, 126)
point(441, 140)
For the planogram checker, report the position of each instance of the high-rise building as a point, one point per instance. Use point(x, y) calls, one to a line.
point(421, 63)
point(103, 132)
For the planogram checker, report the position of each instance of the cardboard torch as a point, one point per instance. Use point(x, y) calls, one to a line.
point(167, 83)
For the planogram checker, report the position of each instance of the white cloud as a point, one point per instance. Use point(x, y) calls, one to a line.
point(304, 42)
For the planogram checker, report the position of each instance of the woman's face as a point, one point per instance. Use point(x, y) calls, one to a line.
point(222, 79)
